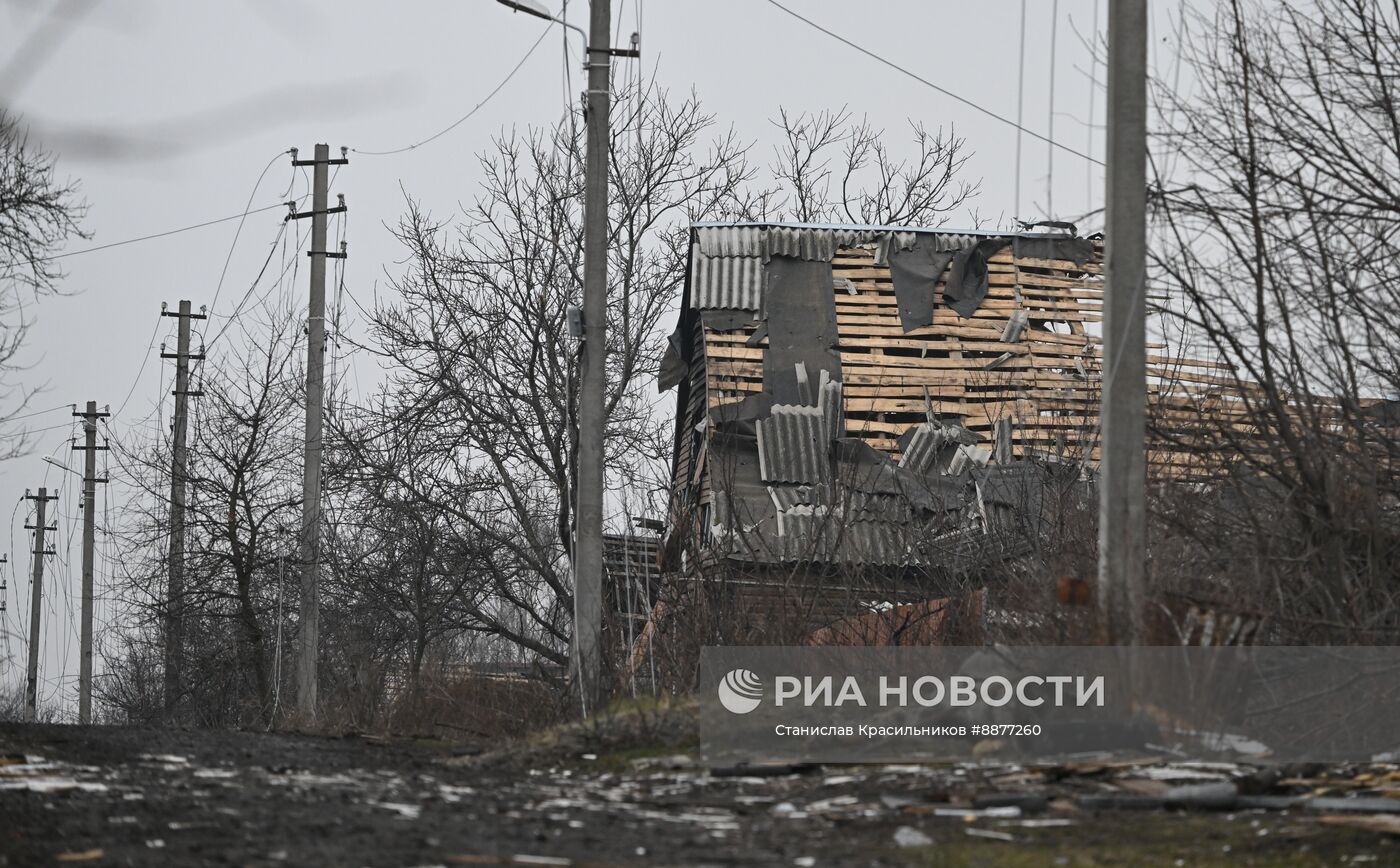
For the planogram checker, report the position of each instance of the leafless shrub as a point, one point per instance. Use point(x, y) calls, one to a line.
point(1276, 235)
point(39, 213)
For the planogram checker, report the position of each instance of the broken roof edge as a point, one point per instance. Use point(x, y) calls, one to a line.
point(863, 227)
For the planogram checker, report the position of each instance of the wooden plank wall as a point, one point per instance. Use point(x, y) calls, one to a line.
point(1049, 384)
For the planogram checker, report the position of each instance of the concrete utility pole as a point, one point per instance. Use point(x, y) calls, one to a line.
point(1123, 486)
point(175, 584)
point(310, 632)
point(90, 480)
point(588, 515)
point(36, 596)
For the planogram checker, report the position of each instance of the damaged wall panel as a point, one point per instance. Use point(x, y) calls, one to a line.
point(800, 314)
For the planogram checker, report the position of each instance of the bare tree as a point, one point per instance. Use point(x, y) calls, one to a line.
point(477, 422)
point(1277, 234)
point(832, 168)
point(242, 516)
point(38, 214)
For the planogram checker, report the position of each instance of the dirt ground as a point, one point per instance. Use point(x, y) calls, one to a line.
point(111, 796)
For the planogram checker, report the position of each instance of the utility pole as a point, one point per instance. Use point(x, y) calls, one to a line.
point(175, 585)
point(36, 596)
point(90, 480)
point(588, 515)
point(1123, 486)
point(310, 631)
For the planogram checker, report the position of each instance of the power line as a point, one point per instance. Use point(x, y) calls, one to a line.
point(150, 345)
point(238, 309)
point(1050, 152)
point(943, 90)
point(1020, 102)
point(162, 234)
point(463, 119)
point(34, 431)
point(37, 413)
point(234, 244)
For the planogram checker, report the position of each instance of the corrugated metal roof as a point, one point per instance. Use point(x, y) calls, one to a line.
point(833, 411)
point(793, 445)
point(853, 227)
point(788, 496)
point(875, 542)
point(732, 240)
point(1016, 485)
point(927, 442)
point(807, 532)
point(818, 245)
point(729, 282)
point(880, 507)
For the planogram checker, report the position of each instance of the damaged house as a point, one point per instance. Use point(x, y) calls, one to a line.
point(870, 419)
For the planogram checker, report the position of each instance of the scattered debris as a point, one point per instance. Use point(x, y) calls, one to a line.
point(594, 813)
point(908, 836)
point(408, 812)
point(975, 832)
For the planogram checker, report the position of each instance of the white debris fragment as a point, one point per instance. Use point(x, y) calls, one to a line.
point(904, 770)
point(833, 804)
point(908, 836)
point(1179, 773)
point(406, 811)
point(53, 785)
point(989, 833)
point(450, 793)
point(308, 779)
point(974, 813)
point(788, 810)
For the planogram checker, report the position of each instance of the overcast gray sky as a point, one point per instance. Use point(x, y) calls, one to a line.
point(167, 113)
